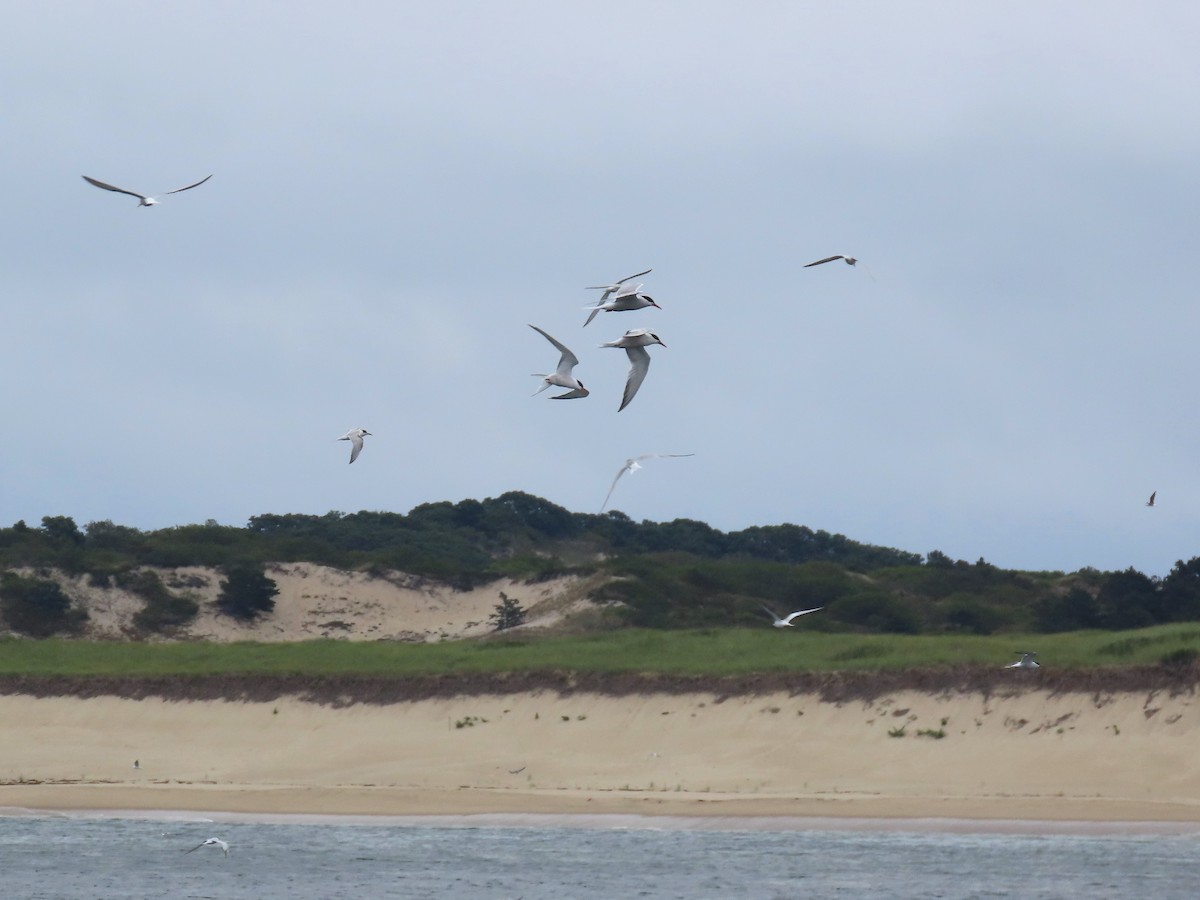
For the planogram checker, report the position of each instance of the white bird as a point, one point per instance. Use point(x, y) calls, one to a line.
point(143, 200)
point(850, 260)
point(787, 620)
point(212, 842)
point(355, 437)
point(1150, 502)
point(625, 297)
point(1026, 661)
point(632, 465)
point(617, 286)
point(634, 342)
point(561, 376)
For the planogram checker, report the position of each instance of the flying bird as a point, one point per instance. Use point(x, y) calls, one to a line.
point(850, 260)
point(1026, 661)
point(625, 297)
point(143, 200)
point(561, 376)
point(355, 437)
point(1150, 502)
point(211, 842)
point(616, 286)
point(634, 342)
point(632, 465)
point(786, 621)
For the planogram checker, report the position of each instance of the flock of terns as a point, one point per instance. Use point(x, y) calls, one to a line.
point(624, 295)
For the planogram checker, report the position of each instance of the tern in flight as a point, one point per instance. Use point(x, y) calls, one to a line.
point(211, 842)
point(632, 465)
point(561, 376)
point(1150, 502)
point(1026, 661)
point(634, 342)
point(850, 260)
point(786, 621)
point(355, 437)
point(143, 200)
point(625, 297)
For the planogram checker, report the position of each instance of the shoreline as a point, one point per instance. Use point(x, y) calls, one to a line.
point(1037, 757)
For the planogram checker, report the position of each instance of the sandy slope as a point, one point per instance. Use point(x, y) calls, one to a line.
point(1034, 755)
point(317, 601)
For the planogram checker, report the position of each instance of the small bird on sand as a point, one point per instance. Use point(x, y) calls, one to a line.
point(786, 621)
point(1026, 661)
point(355, 437)
point(850, 260)
point(143, 200)
point(212, 842)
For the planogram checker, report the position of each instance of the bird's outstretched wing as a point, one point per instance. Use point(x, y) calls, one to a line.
point(639, 364)
point(111, 187)
point(567, 361)
point(182, 189)
point(823, 261)
point(802, 612)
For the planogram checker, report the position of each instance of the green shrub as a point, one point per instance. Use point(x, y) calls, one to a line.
point(37, 607)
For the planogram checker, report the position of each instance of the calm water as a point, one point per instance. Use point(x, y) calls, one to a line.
point(75, 858)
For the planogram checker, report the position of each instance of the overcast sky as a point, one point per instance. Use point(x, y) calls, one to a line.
point(399, 188)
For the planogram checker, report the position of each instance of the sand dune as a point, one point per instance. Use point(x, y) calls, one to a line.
point(1030, 756)
point(317, 601)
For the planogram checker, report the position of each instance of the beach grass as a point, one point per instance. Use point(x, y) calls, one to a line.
point(718, 652)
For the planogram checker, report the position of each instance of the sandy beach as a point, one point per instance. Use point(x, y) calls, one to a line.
point(1033, 756)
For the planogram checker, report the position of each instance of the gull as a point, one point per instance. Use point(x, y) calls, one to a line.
point(1150, 502)
point(143, 200)
point(1026, 661)
point(634, 342)
point(632, 465)
point(516, 771)
point(786, 621)
point(212, 842)
point(850, 260)
point(355, 437)
point(561, 376)
point(625, 297)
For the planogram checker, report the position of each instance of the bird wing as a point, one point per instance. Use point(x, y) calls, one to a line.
point(625, 468)
point(1150, 502)
point(631, 277)
point(182, 189)
point(770, 612)
point(197, 847)
point(572, 395)
point(825, 260)
point(802, 612)
point(357, 442)
point(567, 361)
point(639, 361)
point(110, 187)
point(594, 310)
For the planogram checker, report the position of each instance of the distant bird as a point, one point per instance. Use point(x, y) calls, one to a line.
point(632, 465)
point(516, 771)
point(619, 288)
point(634, 342)
point(561, 376)
point(212, 842)
point(143, 200)
point(850, 260)
point(1026, 661)
point(627, 299)
point(355, 437)
point(787, 620)
point(137, 764)
point(1150, 502)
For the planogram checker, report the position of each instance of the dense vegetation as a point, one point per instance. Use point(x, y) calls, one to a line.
point(680, 574)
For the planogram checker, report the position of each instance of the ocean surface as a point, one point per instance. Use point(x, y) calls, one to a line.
point(91, 856)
